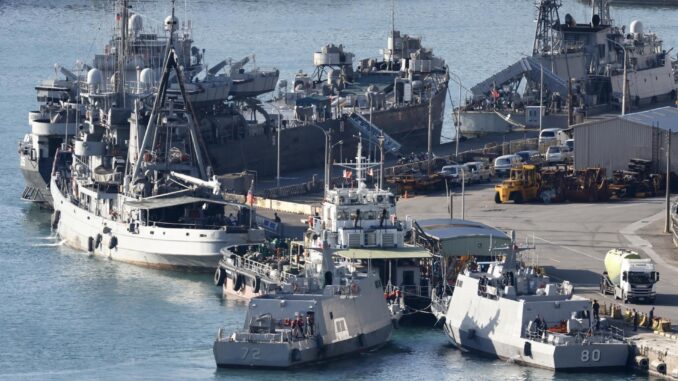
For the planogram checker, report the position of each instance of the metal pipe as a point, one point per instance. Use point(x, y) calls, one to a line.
point(667, 224)
point(623, 111)
point(463, 181)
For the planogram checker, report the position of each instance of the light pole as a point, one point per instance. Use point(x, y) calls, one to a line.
point(325, 169)
point(458, 124)
point(277, 177)
point(623, 111)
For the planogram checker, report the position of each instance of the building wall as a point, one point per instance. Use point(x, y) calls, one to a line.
point(612, 143)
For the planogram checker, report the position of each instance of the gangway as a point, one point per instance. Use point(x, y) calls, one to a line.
point(373, 132)
point(528, 67)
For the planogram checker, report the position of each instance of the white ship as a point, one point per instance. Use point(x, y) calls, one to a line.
point(137, 188)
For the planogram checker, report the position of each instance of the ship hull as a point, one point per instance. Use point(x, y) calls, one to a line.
point(37, 189)
point(193, 250)
point(479, 123)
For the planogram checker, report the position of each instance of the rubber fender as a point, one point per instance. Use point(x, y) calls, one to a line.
point(56, 216)
point(98, 240)
point(295, 355)
point(658, 366)
point(257, 284)
point(90, 244)
point(641, 362)
point(237, 285)
point(219, 277)
point(113, 243)
point(361, 339)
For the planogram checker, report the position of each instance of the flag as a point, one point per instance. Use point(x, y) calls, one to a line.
point(250, 195)
point(347, 174)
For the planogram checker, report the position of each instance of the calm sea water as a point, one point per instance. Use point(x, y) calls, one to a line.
point(64, 316)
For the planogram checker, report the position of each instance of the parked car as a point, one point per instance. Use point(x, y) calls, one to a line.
point(570, 144)
point(549, 135)
point(503, 164)
point(530, 157)
point(558, 154)
point(453, 173)
point(480, 171)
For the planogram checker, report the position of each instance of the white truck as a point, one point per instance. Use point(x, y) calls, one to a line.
point(629, 277)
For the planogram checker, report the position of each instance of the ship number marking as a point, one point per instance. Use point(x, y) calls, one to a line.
point(253, 353)
point(593, 355)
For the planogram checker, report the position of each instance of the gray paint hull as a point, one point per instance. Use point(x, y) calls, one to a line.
point(543, 355)
point(279, 355)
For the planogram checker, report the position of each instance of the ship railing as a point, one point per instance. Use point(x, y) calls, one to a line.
point(277, 337)
point(184, 225)
point(254, 266)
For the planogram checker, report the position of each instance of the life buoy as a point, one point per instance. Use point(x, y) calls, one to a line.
point(113, 243)
point(355, 288)
point(90, 244)
point(219, 277)
point(237, 285)
point(257, 284)
point(56, 216)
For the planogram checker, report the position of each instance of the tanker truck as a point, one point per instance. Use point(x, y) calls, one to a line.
point(629, 277)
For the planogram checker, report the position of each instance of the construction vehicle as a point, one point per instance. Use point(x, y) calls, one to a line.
point(523, 185)
point(629, 277)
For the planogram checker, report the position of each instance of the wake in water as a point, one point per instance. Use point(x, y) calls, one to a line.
point(60, 243)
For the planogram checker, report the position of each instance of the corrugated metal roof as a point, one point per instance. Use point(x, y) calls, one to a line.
point(395, 253)
point(445, 228)
point(663, 117)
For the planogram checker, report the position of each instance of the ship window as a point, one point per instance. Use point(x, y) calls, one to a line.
point(203, 235)
point(460, 283)
point(340, 325)
point(152, 232)
point(331, 316)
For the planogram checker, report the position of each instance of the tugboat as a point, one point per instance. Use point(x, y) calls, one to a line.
point(358, 224)
point(341, 313)
point(512, 312)
point(140, 190)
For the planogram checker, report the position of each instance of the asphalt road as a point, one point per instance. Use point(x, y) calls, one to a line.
point(571, 239)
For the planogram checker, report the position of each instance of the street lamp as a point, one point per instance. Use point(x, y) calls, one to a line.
point(623, 111)
point(458, 124)
point(326, 174)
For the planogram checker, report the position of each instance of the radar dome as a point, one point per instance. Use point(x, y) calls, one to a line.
point(135, 24)
point(94, 78)
point(171, 23)
point(636, 27)
point(146, 78)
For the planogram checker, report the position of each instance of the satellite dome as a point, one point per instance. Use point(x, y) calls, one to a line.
point(135, 24)
point(636, 27)
point(171, 23)
point(94, 78)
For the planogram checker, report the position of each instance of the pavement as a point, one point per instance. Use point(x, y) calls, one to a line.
point(571, 239)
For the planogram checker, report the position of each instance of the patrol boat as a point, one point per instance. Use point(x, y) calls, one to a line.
point(341, 313)
point(359, 223)
point(515, 314)
point(135, 186)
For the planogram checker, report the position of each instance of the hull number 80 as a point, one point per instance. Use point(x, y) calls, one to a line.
point(593, 355)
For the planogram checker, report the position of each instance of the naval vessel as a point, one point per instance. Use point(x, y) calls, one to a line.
point(135, 186)
point(512, 312)
point(341, 313)
point(400, 95)
point(602, 59)
point(359, 223)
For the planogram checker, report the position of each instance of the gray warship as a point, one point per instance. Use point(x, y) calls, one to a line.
point(511, 312)
point(136, 186)
point(393, 95)
point(602, 59)
point(218, 94)
point(341, 313)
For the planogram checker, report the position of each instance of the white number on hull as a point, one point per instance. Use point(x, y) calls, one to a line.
point(593, 355)
point(253, 353)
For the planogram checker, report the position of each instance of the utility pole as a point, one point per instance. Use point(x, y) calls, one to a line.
point(430, 133)
point(541, 91)
point(667, 224)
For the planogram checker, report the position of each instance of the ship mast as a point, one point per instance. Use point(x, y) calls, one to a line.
point(544, 38)
point(123, 13)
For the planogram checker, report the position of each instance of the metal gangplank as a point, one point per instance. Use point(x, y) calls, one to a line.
point(528, 67)
point(373, 132)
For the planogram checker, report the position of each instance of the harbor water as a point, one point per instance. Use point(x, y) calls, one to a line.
point(65, 316)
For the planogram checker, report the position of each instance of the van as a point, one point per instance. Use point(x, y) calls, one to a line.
point(480, 171)
point(549, 135)
point(503, 164)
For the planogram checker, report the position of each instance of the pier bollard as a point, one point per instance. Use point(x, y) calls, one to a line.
point(641, 362)
point(658, 366)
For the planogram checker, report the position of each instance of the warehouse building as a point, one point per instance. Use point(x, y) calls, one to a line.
point(612, 142)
